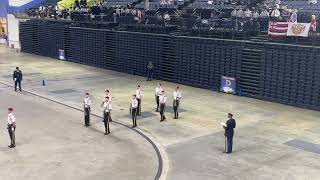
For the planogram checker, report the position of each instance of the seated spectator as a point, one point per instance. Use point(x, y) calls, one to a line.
point(210, 1)
point(76, 4)
point(312, 1)
point(166, 17)
point(264, 14)
point(240, 14)
point(247, 14)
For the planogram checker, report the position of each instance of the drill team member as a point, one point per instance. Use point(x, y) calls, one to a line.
point(11, 126)
point(106, 114)
point(157, 94)
point(134, 106)
point(138, 94)
point(176, 102)
point(17, 78)
point(87, 110)
point(108, 94)
point(162, 102)
point(230, 125)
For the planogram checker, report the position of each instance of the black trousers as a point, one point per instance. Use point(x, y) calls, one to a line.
point(11, 132)
point(134, 117)
point(162, 109)
point(157, 101)
point(106, 120)
point(17, 83)
point(139, 107)
point(87, 116)
point(175, 108)
point(229, 143)
point(150, 74)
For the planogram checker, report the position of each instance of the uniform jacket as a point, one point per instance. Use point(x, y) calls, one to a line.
point(231, 124)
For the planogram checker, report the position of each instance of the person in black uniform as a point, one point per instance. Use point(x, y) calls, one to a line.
point(134, 106)
point(230, 125)
point(17, 78)
point(150, 71)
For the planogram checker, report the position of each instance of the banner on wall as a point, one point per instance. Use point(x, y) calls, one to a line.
point(228, 84)
point(61, 54)
point(3, 30)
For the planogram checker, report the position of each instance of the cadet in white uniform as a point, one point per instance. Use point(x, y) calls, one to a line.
point(162, 101)
point(106, 114)
point(87, 110)
point(138, 94)
point(108, 94)
point(11, 126)
point(157, 94)
point(176, 101)
point(134, 106)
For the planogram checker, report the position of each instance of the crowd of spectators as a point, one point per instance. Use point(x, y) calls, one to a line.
point(244, 16)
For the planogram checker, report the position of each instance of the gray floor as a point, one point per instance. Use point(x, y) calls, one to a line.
point(53, 144)
point(272, 141)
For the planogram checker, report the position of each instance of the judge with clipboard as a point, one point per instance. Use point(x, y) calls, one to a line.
point(229, 132)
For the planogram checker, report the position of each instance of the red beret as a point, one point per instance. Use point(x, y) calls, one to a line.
point(10, 109)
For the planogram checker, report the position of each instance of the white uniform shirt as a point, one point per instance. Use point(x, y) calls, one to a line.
point(87, 102)
point(109, 95)
point(162, 99)
point(134, 103)
point(158, 91)
point(138, 93)
point(176, 95)
point(11, 119)
point(107, 106)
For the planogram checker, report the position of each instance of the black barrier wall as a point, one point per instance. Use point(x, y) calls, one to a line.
point(274, 72)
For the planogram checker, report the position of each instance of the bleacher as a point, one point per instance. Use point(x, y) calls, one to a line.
point(203, 4)
point(270, 71)
point(118, 3)
point(301, 5)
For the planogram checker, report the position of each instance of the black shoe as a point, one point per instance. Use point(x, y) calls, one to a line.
point(11, 146)
point(161, 120)
point(106, 133)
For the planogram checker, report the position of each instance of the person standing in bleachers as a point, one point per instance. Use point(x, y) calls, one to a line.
point(162, 101)
point(17, 78)
point(176, 101)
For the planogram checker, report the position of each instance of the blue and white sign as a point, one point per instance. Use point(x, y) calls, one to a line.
point(61, 54)
point(228, 84)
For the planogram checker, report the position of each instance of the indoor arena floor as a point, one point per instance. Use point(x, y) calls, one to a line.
point(272, 141)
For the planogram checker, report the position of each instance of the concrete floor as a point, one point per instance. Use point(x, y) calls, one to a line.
point(272, 141)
